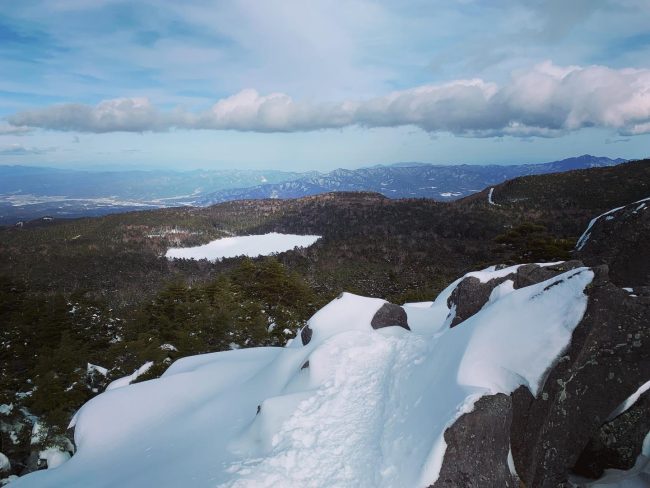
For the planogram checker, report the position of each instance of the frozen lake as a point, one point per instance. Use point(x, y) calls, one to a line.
point(230, 247)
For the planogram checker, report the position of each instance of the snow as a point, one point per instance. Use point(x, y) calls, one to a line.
point(127, 380)
point(490, 199)
point(5, 409)
point(630, 401)
point(370, 410)
point(254, 245)
point(5, 465)
point(38, 433)
point(636, 477)
point(91, 368)
point(54, 457)
point(6, 481)
point(587, 233)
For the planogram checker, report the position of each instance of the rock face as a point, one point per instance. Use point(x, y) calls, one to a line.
point(564, 428)
point(620, 240)
point(390, 315)
point(478, 445)
point(618, 443)
point(607, 361)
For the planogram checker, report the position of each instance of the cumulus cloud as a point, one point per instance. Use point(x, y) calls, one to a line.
point(545, 101)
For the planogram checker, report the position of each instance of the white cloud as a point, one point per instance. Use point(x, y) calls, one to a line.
point(547, 100)
point(20, 150)
point(11, 130)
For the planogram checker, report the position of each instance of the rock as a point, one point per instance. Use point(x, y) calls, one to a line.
point(620, 240)
point(530, 274)
point(390, 315)
point(305, 335)
point(607, 361)
point(477, 447)
point(471, 294)
point(618, 442)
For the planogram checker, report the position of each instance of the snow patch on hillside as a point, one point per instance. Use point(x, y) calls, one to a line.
point(490, 196)
point(255, 245)
point(608, 216)
point(354, 407)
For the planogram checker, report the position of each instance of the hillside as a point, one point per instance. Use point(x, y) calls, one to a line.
point(98, 291)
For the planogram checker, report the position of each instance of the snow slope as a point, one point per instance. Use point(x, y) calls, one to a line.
point(230, 247)
point(368, 410)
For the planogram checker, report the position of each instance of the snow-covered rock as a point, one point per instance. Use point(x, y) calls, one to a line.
point(349, 404)
point(53, 457)
point(127, 380)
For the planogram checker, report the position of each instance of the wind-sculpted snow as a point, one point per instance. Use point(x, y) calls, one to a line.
point(354, 407)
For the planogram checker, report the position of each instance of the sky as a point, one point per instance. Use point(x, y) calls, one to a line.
point(321, 84)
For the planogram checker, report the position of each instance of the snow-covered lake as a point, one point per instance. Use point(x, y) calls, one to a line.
point(230, 247)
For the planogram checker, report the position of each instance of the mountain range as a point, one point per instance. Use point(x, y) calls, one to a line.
point(27, 193)
point(407, 180)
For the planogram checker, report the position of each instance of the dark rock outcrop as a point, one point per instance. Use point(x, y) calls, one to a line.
point(563, 427)
point(390, 315)
point(620, 240)
point(606, 362)
point(477, 447)
point(305, 335)
point(618, 443)
point(470, 296)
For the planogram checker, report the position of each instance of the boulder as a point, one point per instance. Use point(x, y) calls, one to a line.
point(390, 315)
point(477, 447)
point(470, 296)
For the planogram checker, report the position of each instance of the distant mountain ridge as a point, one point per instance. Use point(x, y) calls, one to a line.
point(27, 193)
point(408, 180)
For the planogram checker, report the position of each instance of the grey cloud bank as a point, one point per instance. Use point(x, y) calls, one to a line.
point(545, 101)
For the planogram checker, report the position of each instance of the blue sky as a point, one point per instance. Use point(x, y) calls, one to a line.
point(320, 84)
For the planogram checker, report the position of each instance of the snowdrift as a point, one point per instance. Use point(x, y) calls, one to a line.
point(343, 405)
